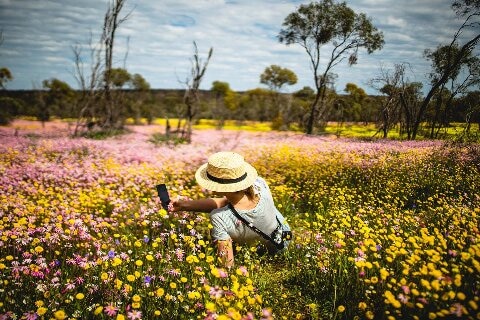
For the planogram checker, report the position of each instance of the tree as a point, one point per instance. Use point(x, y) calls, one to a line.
point(5, 76)
point(96, 105)
point(112, 21)
point(316, 24)
point(191, 97)
point(400, 102)
point(469, 11)
point(275, 77)
point(356, 99)
point(462, 77)
point(59, 98)
point(139, 105)
point(221, 91)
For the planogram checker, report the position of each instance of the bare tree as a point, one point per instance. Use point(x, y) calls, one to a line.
point(191, 98)
point(112, 21)
point(400, 103)
point(89, 86)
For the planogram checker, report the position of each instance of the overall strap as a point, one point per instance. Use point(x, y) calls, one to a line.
point(251, 226)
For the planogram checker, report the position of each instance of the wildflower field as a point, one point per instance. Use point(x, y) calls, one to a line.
point(382, 229)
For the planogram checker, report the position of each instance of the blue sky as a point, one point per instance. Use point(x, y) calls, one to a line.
point(39, 35)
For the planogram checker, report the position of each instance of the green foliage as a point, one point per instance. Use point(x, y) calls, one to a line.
point(275, 77)
point(5, 76)
point(103, 134)
point(160, 139)
point(9, 109)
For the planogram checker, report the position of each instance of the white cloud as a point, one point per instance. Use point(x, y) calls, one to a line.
point(39, 34)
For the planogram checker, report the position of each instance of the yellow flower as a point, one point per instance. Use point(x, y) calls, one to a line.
point(136, 298)
point(460, 295)
point(473, 304)
point(341, 308)
point(38, 249)
point(149, 257)
point(116, 261)
point(120, 317)
point(136, 305)
point(59, 315)
point(160, 292)
point(139, 263)
point(183, 279)
point(98, 310)
point(39, 303)
point(41, 311)
point(131, 277)
point(383, 273)
point(79, 296)
point(210, 306)
point(362, 305)
point(104, 276)
point(157, 313)
point(173, 285)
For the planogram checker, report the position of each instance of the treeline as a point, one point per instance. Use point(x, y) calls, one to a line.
point(221, 103)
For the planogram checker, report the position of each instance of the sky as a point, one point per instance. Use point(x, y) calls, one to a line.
point(156, 41)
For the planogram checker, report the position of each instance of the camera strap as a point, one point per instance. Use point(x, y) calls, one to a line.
point(251, 226)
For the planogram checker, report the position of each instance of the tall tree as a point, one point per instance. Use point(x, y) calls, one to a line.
point(469, 12)
point(275, 77)
point(220, 89)
point(462, 77)
point(316, 24)
point(112, 22)
point(90, 82)
point(142, 100)
point(192, 97)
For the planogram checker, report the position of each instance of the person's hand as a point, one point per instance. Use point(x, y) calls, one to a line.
point(176, 204)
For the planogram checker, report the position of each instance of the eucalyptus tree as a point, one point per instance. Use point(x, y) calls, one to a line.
point(313, 26)
point(275, 77)
point(455, 54)
point(464, 76)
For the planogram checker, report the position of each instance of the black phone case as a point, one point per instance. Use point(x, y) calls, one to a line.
point(163, 195)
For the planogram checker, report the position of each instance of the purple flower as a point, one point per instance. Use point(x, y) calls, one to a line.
point(111, 254)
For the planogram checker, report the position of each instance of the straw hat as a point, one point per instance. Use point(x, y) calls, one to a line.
point(226, 172)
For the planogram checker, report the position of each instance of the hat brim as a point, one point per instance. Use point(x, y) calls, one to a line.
point(206, 183)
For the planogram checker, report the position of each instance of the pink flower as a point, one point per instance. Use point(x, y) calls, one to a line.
point(406, 289)
point(134, 315)
point(111, 310)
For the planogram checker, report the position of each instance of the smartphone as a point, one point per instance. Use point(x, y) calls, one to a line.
point(163, 195)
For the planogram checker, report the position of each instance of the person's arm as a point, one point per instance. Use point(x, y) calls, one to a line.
point(200, 205)
point(225, 252)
